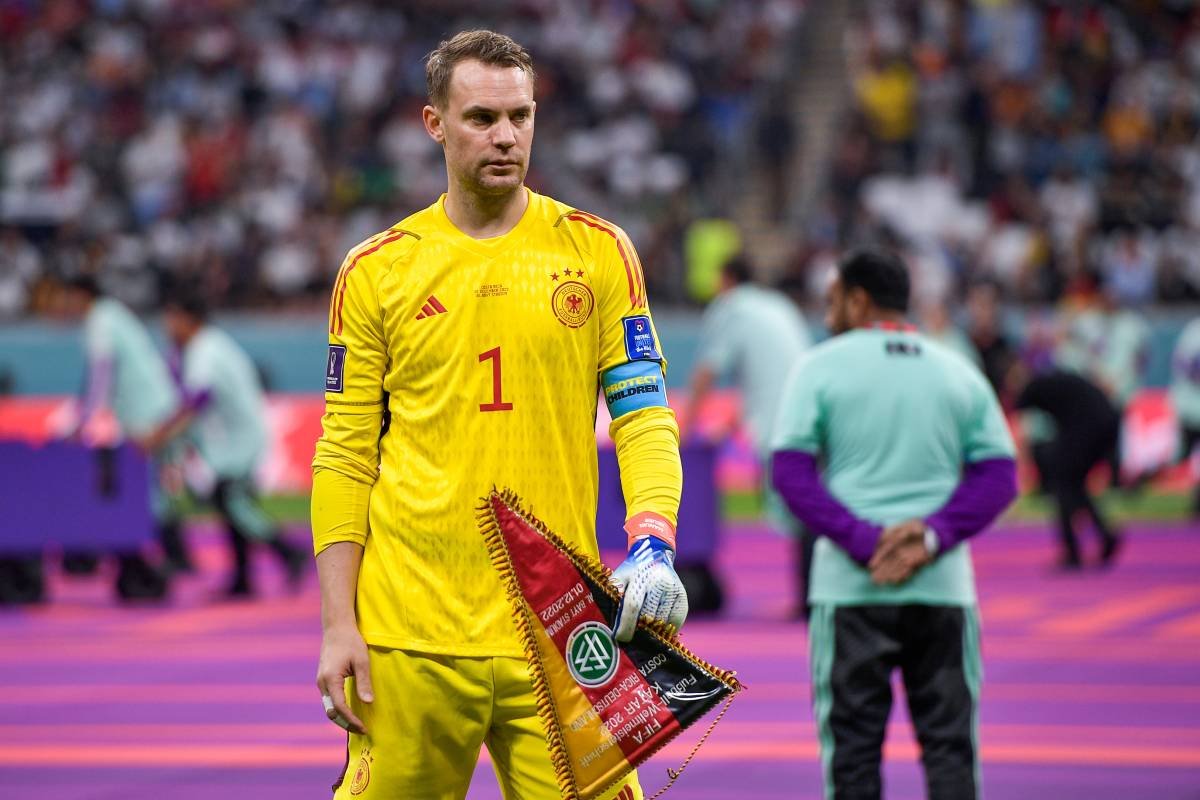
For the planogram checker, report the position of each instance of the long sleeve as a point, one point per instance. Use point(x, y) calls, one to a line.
point(647, 443)
point(986, 489)
point(346, 463)
point(795, 476)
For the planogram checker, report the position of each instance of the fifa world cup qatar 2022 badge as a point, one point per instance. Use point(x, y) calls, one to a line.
point(606, 707)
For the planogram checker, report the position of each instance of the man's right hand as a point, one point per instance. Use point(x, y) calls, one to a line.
point(899, 553)
point(343, 655)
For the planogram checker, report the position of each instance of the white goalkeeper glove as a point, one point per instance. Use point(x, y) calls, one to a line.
point(649, 586)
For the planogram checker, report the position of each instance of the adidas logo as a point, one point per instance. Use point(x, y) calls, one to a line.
point(431, 308)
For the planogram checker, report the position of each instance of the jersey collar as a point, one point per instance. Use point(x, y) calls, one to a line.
point(893, 327)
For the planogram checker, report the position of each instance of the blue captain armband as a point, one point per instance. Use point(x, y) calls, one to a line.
point(633, 386)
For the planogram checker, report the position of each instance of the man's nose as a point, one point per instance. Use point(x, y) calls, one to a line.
point(504, 135)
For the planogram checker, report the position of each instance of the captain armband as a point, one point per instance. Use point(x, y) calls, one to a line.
point(633, 386)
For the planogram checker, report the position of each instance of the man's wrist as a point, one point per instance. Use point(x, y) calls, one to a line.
point(648, 523)
point(932, 542)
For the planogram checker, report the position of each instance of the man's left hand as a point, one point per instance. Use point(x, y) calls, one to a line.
point(901, 551)
point(650, 586)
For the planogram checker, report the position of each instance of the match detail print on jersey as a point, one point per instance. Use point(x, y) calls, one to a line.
point(606, 707)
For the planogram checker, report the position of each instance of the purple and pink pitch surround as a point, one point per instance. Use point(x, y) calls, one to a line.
point(1091, 692)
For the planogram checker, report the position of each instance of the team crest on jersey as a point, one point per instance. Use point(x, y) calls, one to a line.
point(362, 773)
point(573, 303)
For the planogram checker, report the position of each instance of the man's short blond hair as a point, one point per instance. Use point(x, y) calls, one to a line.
point(488, 47)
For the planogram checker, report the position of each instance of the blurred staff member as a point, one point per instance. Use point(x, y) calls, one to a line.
point(755, 334)
point(938, 326)
point(1185, 395)
point(127, 374)
point(1109, 345)
point(986, 333)
point(223, 415)
point(1121, 368)
point(916, 459)
point(1086, 429)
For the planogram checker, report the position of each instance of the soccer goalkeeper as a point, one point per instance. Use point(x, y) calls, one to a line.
point(466, 347)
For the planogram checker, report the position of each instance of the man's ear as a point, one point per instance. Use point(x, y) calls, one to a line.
point(433, 124)
point(858, 305)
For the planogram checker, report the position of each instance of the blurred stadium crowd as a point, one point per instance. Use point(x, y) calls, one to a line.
point(253, 143)
point(1050, 146)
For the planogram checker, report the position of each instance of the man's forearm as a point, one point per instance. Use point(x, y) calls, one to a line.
point(647, 444)
point(795, 476)
point(99, 383)
point(337, 569)
point(986, 489)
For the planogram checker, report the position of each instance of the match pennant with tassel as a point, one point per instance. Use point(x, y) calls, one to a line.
point(606, 707)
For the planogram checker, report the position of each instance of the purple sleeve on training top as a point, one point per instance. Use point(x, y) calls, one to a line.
point(196, 399)
point(99, 384)
point(795, 476)
point(986, 489)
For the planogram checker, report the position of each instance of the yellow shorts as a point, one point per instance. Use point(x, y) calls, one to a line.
point(431, 715)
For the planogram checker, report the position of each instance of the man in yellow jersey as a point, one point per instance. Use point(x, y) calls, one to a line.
point(467, 347)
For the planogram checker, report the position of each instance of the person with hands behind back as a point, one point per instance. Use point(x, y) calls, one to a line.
point(892, 450)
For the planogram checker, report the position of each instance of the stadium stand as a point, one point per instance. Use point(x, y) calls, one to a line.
point(254, 143)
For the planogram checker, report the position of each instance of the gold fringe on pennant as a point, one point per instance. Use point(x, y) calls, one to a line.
point(489, 526)
point(601, 575)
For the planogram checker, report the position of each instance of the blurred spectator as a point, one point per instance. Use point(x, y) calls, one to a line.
point(1061, 137)
point(777, 145)
point(20, 266)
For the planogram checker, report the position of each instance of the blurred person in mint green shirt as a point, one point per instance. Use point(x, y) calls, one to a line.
point(1185, 397)
point(128, 375)
point(752, 335)
point(222, 413)
point(894, 451)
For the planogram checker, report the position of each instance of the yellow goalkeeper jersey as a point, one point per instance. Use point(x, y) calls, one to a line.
point(487, 355)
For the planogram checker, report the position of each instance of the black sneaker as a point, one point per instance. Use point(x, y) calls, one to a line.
point(295, 564)
point(1068, 564)
point(1112, 546)
point(180, 563)
point(240, 589)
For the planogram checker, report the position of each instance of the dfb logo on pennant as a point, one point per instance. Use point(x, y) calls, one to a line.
point(592, 654)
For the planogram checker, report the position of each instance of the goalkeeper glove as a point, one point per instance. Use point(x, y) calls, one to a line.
point(650, 586)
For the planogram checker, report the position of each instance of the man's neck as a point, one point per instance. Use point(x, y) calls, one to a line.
point(190, 335)
point(885, 319)
point(484, 217)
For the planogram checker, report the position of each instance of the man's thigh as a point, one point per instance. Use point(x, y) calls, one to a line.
point(424, 728)
point(517, 742)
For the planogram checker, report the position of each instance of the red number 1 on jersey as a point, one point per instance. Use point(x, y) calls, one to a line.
point(497, 404)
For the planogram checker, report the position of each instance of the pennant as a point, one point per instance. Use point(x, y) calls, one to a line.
point(606, 707)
